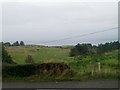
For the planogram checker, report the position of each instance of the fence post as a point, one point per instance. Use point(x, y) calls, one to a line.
point(99, 66)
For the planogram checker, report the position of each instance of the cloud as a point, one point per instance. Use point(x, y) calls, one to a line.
point(50, 21)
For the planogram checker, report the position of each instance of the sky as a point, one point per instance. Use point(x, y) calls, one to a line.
point(43, 22)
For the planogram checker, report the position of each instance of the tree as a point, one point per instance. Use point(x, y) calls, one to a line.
point(7, 44)
point(16, 43)
point(22, 43)
point(80, 49)
point(74, 52)
point(6, 58)
point(107, 47)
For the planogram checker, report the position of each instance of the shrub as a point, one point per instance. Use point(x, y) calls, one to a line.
point(29, 59)
point(6, 58)
point(34, 69)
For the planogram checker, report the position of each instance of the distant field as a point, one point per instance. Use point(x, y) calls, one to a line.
point(82, 65)
point(39, 54)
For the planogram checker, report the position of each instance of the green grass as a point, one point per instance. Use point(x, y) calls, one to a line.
point(83, 66)
point(44, 54)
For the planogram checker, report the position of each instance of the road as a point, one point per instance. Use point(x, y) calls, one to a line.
point(76, 84)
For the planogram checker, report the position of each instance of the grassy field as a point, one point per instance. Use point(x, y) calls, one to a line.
point(86, 67)
point(39, 54)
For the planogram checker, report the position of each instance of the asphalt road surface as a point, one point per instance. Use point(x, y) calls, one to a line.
point(111, 84)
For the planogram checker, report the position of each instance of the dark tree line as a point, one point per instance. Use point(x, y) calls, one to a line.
point(21, 43)
point(88, 49)
point(107, 47)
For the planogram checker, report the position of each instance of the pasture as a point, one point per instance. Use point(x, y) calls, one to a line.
point(84, 67)
point(39, 54)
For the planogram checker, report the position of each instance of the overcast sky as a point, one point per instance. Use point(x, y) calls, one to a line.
point(36, 23)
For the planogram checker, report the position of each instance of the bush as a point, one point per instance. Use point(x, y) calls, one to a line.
point(6, 58)
point(29, 59)
point(82, 49)
point(34, 69)
point(18, 70)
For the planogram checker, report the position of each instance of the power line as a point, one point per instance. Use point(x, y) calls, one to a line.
point(82, 35)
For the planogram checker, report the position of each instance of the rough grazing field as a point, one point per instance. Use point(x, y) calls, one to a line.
point(39, 54)
point(85, 67)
